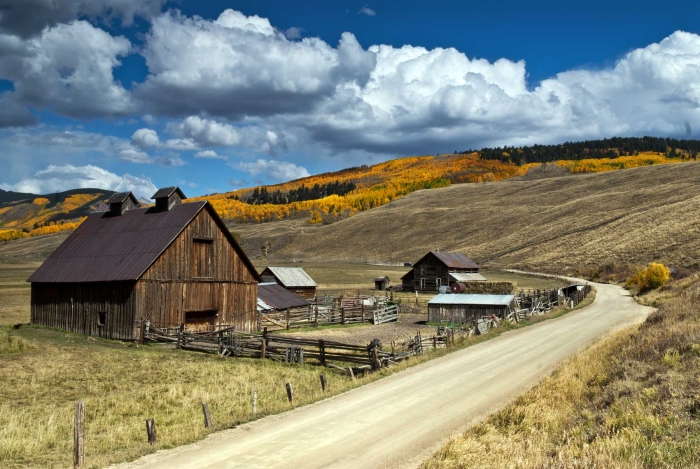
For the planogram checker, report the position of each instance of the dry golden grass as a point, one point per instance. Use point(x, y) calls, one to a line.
point(42, 372)
point(558, 224)
point(629, 402)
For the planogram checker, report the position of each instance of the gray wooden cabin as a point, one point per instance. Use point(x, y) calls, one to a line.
point(433, 271)
point(173, 263)
point(466, 309)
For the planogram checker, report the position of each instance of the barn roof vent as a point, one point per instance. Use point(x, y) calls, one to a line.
point(121, 202)
point(167, 197)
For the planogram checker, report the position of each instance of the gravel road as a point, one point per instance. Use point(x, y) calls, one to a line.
point(398, 421)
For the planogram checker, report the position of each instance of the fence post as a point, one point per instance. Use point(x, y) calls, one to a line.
point(324, 383)
point(290, 392)
point(255, 400)
point(142, 338)
point(207, 415)
point(362, 307)
point(79, 435)
point(179, 337)
point(342, 316)
point(322, 351)
point(264, 343)
point(151, 431)
point(287, 318)
point(351, 374)
point(316, 315)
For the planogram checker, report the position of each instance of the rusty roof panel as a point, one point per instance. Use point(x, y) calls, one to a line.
point(167, 192)
point(292, 276)
point(278, 297)
point(107, 247)
point(120, 197)
point(455, 260)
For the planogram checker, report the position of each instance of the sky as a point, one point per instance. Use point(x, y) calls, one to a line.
point(218, 95)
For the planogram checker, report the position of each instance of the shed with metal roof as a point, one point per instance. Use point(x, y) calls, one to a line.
point(274, 297)
point(467, 308)
point(294, 279)
point(171, 264)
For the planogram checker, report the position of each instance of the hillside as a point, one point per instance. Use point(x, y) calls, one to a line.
point(329, 197)
point(555, 223)
point(24, 215)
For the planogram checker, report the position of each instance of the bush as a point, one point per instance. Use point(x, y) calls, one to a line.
point(650, 278)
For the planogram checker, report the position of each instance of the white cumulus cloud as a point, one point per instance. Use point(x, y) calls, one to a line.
point(60, 178)
point(275, 171)
point(211, 154)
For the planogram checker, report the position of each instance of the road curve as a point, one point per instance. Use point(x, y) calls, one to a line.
point(398, 421)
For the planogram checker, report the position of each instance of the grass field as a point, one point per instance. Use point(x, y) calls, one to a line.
point(630, 402)
point(43, 371)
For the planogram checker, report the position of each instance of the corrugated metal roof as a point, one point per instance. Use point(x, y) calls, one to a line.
point(455, 260)
point(120, 197)
point(467, 277)
point(473, 299)
point(292, 276)
point(167, 192)
point(275, 296)
point(380, 279)
point(107, 247)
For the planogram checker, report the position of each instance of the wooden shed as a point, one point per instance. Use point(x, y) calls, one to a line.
point(171, 264)
point(381, 283)
point(294, 279)
point(465, 309)
point(434, 270)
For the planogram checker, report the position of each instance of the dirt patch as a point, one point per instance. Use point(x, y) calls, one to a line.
point(408, 326)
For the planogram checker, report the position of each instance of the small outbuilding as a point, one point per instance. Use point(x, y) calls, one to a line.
point(381, 283)
point(274, 297)
point(294, 279)
point(465, 309)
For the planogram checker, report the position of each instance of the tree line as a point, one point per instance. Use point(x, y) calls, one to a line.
point(591, 149)
point(261, 195)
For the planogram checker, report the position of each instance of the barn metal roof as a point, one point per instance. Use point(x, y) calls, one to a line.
point(467, 277)
point(275, 296)
point(292, 276)
point(473, 299)
point(108, 247)
point(455, 260)
point(167, 192)
point(120, 197)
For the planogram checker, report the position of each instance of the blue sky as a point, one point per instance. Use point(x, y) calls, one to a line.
point(135, 94)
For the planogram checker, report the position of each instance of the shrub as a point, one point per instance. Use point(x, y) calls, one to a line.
point(655, 275)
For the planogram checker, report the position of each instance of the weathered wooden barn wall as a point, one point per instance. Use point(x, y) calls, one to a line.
point(75, 307)
point(200, 271)
point(305, 292)
point(462, 313)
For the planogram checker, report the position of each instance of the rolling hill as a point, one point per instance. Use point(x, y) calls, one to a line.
point(557, 223)
point(23, 214)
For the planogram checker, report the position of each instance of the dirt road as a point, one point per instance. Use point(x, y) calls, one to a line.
point(396, 422)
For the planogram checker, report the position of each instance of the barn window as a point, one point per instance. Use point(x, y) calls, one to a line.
point(201, 317)
point(101, 319)
point(438, 281)
point(422, 284)
point(422, 270)
point(202, 258)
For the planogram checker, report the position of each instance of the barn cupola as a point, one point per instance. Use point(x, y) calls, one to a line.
point(121, 202)
point(167, 197)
